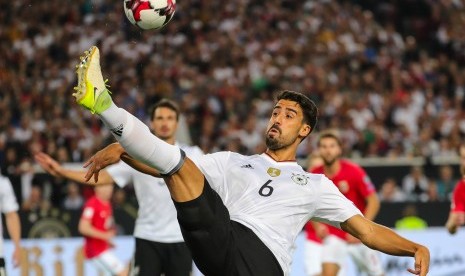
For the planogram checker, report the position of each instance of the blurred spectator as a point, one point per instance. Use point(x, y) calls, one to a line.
point(433, 193)
point(410, 219)
point(73, 199)
point(391, 192)
point(415, 185)
point(35, 202)
point(445, 181)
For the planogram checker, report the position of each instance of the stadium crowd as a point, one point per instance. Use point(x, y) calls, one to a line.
point(390, 75)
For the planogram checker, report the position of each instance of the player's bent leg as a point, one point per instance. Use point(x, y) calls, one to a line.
point(312, 261)
point(146, 261)
point(366, 259)
point(205, 226)
point(187, 183)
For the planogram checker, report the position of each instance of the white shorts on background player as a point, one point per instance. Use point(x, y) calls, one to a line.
point(108, 263)
point(336, 250)
point(366, 259)
point(312, 257)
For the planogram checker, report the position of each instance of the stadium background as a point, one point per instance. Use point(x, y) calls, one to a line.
point(389, 75)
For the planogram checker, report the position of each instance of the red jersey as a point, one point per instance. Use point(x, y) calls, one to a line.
point(100, 215)
point(458, 198)
point(311, 234)
point(354, 184)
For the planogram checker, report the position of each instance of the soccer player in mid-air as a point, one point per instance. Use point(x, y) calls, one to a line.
point(160, 247)
point(240, 215)
point(457, 209)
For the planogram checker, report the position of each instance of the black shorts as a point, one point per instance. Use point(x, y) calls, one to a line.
point(154, 258)
point(220, 246)
point(2, 267)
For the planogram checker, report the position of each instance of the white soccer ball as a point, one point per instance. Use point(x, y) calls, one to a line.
point(149, 14)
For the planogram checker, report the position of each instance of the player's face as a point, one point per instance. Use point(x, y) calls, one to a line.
point(164, 123)
point(329, 150)
point(104, 191)
point(286, 125)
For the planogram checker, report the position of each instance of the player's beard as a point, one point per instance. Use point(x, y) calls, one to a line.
point(328, 162)
point(274, 143)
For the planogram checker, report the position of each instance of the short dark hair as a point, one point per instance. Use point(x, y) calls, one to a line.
point(165, 103)
point(309, 108)
point(330, 134)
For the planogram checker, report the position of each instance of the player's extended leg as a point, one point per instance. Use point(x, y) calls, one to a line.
point(185, 180)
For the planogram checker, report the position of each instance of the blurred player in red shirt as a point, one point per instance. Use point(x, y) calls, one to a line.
point(457, 208)
point(97, 227)
point(354, 183)
point(313, 243)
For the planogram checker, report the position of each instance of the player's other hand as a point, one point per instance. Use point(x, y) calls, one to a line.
point(422, 260)
point(49, 164)
point(103, 158)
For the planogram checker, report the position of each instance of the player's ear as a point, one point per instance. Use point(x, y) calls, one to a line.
point(305, 130)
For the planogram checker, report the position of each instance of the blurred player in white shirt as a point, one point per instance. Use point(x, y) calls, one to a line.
point(9, 207)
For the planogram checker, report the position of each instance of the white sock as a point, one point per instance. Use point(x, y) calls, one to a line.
point(140, 143)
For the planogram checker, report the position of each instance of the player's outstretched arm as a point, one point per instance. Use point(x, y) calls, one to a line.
point(14, 230)
point(385, 240)
point(112, 154)
point(54, 168)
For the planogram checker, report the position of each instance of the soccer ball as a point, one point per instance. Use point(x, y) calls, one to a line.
point(149, 14)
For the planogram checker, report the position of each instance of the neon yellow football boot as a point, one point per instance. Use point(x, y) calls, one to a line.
point(91, 90)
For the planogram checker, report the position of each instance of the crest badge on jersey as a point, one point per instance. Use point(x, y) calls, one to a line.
point(299, 179)
point(343, 186)
point(273, 172)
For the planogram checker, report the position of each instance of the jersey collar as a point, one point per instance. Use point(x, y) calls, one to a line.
point(271, 160)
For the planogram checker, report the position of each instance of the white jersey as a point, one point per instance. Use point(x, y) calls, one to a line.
point(157, 217)
point(274, 199)
point(7, 204)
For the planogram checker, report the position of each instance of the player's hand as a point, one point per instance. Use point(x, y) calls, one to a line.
point(16, 256)
point(460, 219)
point(422, 259)
point(103, 158)
point(49, 164)
point(109, 235)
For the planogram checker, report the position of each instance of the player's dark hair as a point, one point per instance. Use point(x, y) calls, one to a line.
point(330, 134)
point(165, 103)
point(309, 108)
